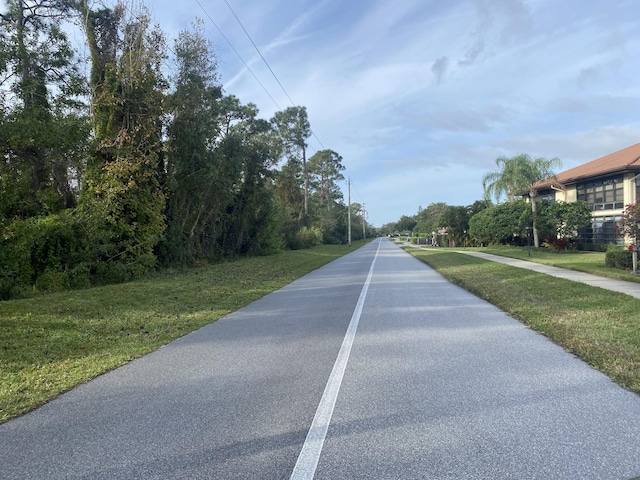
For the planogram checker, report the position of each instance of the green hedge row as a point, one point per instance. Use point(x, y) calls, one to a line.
point(619, 259)
point(62, 251)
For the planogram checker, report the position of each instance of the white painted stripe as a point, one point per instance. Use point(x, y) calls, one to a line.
point(307, 462)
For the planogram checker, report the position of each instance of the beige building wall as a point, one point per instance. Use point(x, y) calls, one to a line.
point(629, 188)
point(571, 194)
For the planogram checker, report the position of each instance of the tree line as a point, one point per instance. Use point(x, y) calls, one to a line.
point(521, 219)
point(110, 168)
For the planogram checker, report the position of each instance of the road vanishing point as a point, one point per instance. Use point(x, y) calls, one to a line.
point(372, 367)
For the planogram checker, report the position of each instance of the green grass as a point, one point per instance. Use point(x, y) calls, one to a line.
point(51, 343)
point(589, 262)
point(599, 326)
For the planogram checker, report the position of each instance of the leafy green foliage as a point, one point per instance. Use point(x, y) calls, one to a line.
point(499, 224)
point(563, 219)
point(253, 220)
point(405, 224)
point(122, 182)
point(143, 177)
point(428, 219)
point(456, 222)
point(518, 176)
point(325, 171)
point(198, 184)
point(558, 222)
point(619, 259)
point(42, 132)
point(292, 129)
point(47, 252)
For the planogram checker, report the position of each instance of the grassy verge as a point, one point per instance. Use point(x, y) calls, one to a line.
point(601, 327)
point(50, 343)
point(589, 262)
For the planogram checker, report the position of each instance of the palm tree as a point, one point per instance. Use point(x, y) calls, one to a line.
point(520, 175)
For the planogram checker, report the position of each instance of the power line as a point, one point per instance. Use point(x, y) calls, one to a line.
point(355, 192)
point(265, 61)
point(258, 50)
point(238, 54)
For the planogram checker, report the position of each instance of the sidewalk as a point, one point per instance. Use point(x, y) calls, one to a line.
point(621, 286)
point(628, 288)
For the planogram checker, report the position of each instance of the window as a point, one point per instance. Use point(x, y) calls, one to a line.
point(547, 195)
point(602, 231)
point(605, 194)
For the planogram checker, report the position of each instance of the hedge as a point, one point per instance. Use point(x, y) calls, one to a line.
point(619, 259)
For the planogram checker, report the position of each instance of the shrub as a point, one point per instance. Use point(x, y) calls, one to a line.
point(51, 281)
point(306, 238)
point(593, 247)
point(619, 259)
point(61, 251)
point(561, 244)
point(39, 253)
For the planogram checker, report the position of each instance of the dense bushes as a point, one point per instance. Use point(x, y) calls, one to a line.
point(62, 251)
point(39, 251)
point(558, 222)
point(593, 247)
point(306, 238)
point(619, 259)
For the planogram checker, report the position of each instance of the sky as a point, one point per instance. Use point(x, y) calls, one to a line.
point(420, 97)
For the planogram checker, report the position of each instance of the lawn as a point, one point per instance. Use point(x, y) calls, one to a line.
point(50, 343)
point(589, 262)
point(599, 326)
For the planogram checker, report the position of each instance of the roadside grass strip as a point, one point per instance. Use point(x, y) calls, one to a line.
point(581, 261)
point(598, 326)
point(51, 343)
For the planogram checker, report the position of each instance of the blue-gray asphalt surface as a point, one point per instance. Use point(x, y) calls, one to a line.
point(439, 385)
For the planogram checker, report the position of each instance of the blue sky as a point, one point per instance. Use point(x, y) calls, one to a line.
point(421, 96)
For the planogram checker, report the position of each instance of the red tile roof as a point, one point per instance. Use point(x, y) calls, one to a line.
point(616, 162)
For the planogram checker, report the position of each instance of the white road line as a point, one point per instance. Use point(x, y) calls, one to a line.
point(307, 462)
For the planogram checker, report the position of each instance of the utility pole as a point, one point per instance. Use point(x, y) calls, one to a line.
point(349, 210)
point(364, 213)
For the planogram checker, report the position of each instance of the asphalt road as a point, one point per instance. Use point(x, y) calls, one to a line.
point(372, 367)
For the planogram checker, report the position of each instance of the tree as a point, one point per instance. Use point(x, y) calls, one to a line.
point(290, 199)
point(517, 176)
point(197, 184)
point(293, 130)
point(477, 207)
point(325, 171)
point(428, 219)
point(43, 123)
point(388, 228)
point(630, 226)
point(499, 224)
point(254, 226)
point(456, 221)
point(359, 225)
point(406, 224)
point(566, 218)
point(123, 180)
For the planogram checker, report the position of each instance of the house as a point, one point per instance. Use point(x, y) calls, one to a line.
point(607, 184)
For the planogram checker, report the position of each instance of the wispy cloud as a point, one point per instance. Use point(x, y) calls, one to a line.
point(439, 68)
